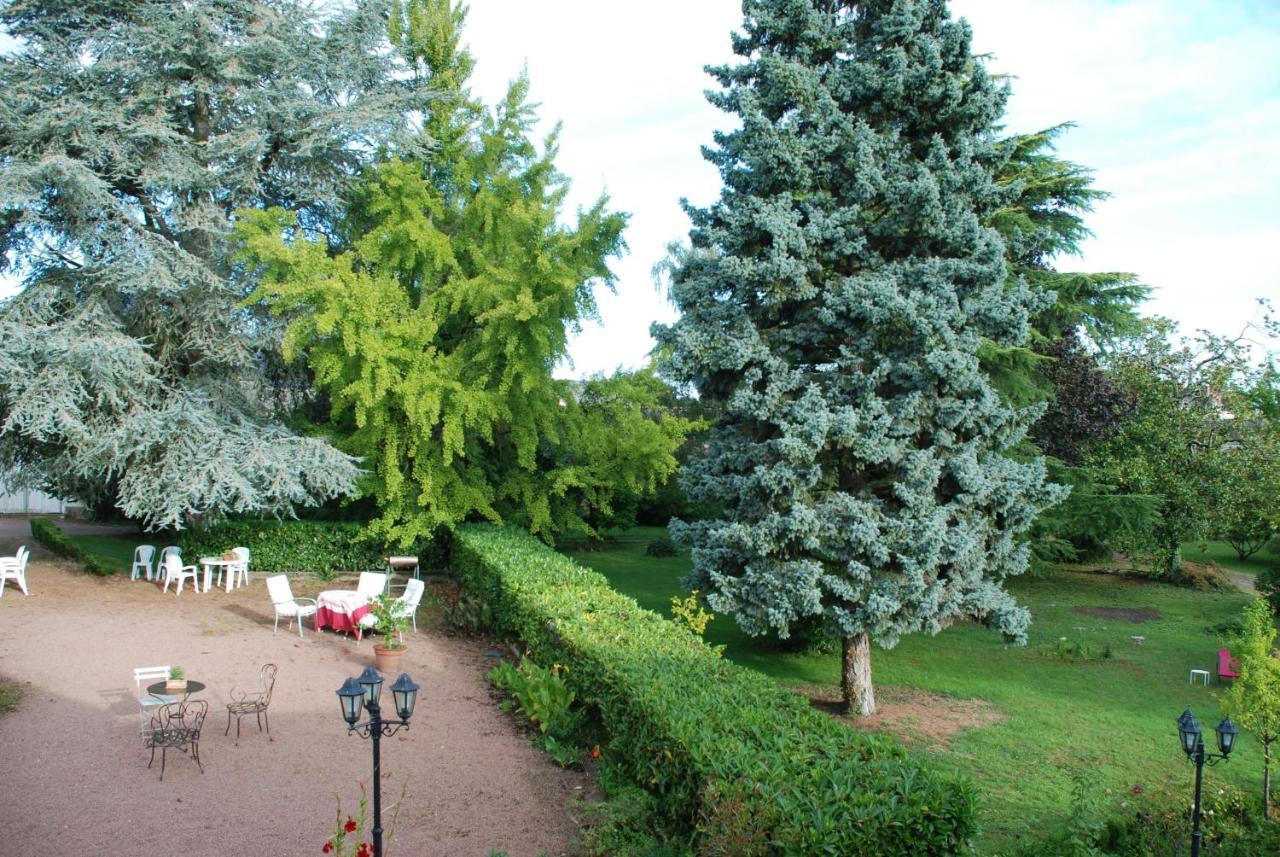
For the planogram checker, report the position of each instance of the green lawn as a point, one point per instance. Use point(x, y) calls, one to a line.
point(1225, 555)
point(115, 551)
point(1114, 715)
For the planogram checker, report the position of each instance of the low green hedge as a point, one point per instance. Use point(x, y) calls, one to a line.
point(740, 764)
point(320, 547)
point(47, 533)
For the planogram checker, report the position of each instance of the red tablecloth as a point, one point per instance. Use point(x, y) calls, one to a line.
point(341, 610)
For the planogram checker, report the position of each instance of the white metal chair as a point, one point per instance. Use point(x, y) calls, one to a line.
point(175, 570)
point(147, 703)
point(371, 585)
point(285, 604)
point(15, 568)
point(143, 556)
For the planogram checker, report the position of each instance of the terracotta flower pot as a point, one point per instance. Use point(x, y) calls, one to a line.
point(387, 660)
point(175, 684)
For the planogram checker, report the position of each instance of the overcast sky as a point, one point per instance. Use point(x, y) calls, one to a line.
point(1177, 104)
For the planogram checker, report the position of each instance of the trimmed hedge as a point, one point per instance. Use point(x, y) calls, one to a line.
point(321, 547)
point(742, 765)
point(47, 533)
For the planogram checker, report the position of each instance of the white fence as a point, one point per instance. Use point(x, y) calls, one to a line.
point(31, 503)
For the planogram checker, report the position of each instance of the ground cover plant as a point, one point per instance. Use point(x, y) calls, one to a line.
point(1118, 711)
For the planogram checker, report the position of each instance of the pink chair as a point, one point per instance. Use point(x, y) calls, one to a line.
point(1228, 667)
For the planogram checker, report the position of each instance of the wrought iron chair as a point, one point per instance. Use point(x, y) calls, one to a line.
point(243, 703)
point(177, 726)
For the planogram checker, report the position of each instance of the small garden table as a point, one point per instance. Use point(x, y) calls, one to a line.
point(341, 610)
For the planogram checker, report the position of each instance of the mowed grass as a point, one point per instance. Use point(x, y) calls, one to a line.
point(114, 551)
point(1225, 555)
point(1113, 716)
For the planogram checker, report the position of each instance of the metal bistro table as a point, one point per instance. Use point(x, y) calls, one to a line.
point(158, 689)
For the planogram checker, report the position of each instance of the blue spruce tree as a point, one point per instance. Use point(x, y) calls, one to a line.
point(833, 304)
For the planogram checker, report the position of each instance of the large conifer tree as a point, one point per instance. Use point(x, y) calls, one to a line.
point(437, 327)
point(834, 303)
point(129, 134)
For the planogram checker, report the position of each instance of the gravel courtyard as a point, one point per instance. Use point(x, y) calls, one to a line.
point(73, 769)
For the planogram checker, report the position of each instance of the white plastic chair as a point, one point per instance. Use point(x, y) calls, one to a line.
point(371, 584)
point(286, 605)
point(15, 568)
point(407, 604)
point(171, 550)
point(147, 703)
point(142, 561)
point(175, 570)
point(239, 571)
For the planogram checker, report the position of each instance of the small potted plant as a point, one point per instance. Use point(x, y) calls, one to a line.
point(390, 620)
point(177, 679)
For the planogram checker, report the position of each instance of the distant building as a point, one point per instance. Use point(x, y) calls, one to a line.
point(23, 501)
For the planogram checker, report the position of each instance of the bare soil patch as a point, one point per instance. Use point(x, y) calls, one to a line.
point(917, 717)
point(1124, 614)
point(75, 770)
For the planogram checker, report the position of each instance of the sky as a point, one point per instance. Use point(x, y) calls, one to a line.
point(1176, 105)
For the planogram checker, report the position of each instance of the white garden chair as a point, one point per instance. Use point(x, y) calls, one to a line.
point(143, 555)
point(149, 703)
point(285, 604)
point(371, 585)
point(239, 572)
point(174, 570)
point(407, 604)
point(15, 568)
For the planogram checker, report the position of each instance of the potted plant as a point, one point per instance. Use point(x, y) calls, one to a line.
point(391, 621)
point(177, 679)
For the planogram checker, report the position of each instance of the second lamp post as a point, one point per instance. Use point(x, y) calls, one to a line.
point(1193, 746)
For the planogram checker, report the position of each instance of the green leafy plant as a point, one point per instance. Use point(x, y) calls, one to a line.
point(467, 615)
point(177, 674)
point(389, 620)
point(1066, 649)
point(10, 696)
point(323, 548)
point(689, 613)
point(540, 694)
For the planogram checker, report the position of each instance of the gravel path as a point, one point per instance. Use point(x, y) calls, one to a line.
point(74, 774)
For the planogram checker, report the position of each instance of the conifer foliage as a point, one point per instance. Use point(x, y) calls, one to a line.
point(436, 328)
point(834, 302)
point(129, 134)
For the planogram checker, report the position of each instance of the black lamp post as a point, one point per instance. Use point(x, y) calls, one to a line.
point(356, 693)
point(1193, 746)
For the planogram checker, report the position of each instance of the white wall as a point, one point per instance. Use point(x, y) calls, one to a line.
point(23, 502)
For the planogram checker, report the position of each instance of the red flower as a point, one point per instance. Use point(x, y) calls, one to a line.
point(364, 850)
point(1137, 790)
point(328, 846)
point(350, 826)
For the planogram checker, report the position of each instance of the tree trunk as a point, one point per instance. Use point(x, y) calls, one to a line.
point(855, 676)
point(1266, 778)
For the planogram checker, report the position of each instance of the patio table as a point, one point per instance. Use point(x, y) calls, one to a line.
point(341, 610)
point(211, 562)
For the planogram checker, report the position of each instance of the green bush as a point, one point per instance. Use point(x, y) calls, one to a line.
point(1268, 583)
point(661, 548)
point(319, 547)
point(47, 533)
point(740, 764)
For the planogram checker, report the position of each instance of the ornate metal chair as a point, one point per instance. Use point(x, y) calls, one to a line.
point(253, 703)
point(177, 726)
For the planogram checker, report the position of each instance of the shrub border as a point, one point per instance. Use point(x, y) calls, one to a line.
point(736, 761)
